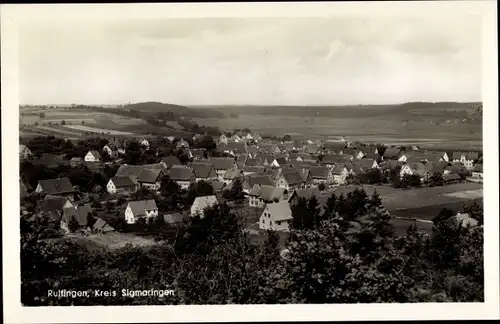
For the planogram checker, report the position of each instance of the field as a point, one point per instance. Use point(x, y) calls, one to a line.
point(387, 129)
point(112, 241)
point(97, 130)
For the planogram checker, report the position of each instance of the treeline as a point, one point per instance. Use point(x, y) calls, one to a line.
point(349, 255)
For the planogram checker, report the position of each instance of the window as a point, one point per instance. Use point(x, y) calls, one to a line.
point(278, 222)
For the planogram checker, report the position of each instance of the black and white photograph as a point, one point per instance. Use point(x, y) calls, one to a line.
point(252, 158)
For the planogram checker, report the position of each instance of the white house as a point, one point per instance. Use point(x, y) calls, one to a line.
point(276, 216)
point(201, 203)
point(111, 151)
point(140, 209)
point(340, 174)
point(184, 176)
point(478, 171)
point(122, 184)
point(24, 152)
point(93, 156)
point(466, 158)
point(291, 179)
point(145, 143)
point(223, 138)
point(260, 195)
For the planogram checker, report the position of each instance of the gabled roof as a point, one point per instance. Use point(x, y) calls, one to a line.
point(124, 181)
point(102, 226)
point(217, 185)
point(252, 149)
point(221, 163)
point(79, 213)
point(267, 193)
point(202, 170)
point(334, 146)
point(364, 164)
point(56, 186)
point(253, 179)
point(171, 160)
point(338, 169)
point(232, 174)
point(312, 149)
point(52, 206)
point(292, 176)
point(262, 157)
point(23, 189)
point(391, 153)
point(478, 168)
point(279, 211)
point(281, 160)
point(307, 193)
point(157, 166)
point(252, 162)
point(332, 159)
point(181, 173)
point(254, 169)
point(174, 218)
point(96, 154)
point(319, 172)
point(236, 146)
point(150, 175)
point(129, 170)
point(418, 168)
point(205, 201)
point(139, 207)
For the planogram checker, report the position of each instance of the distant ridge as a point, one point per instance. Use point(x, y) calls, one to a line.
point(154, 106)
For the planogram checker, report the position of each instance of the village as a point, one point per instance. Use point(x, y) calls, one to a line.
point(263, 177)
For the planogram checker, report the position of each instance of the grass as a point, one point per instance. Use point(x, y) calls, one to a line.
point(112, 241)
point(97, 130)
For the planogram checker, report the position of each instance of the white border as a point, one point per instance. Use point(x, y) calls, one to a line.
point(15, 313)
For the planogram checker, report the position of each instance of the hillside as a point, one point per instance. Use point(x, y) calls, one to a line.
point(159, 107)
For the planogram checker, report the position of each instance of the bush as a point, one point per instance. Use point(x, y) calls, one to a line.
point(321, 186)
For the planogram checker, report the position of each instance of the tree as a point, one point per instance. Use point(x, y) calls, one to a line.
point(372, 176)
point(83, 122)
point(199, 189)
point(90, 220)
point(287, 138)
point(321, 186)
point(436, 179)
point(73, 225)
point(63, 122)
point(475, 210)
point(41, 115)
point(236, 191)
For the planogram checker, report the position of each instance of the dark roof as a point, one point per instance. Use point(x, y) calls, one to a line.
point(319, 172)
point(181, 173)
point(418, 168)
point(312, 149)
point(102, 226)
point(124, 181)
point(221, 163)
point(175, 218)
point(202, 170)
point(331, 159)
point(281, 161)
point(80, 214)
point(171, 160)
point(364, 164)
point(217, 185)
point(292, 176)
point(439, 166)
point(307, 193)
point(252, 180)
point(267, 193)
point(232, 174)
point(236, 146)
point(149, 175)
point(337, 170)
point(52, 206)
point(254, 169)
point(129, 170)
point(139, 207)
point(334, 146)
point(391, 153)
point(23, 189)
point(95, 154)
point(56, 186)
point(478, 167)
point(451, 177)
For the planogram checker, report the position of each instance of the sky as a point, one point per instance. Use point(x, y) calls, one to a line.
point(251, 61)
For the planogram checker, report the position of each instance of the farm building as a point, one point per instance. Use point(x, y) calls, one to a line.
point(260, 179)
point(221, 165)
point(391, 153)
point(231, 175)
point(201, 203)
point(79, 213)
point(150, 178)
point(140, 209)
point(340, 174)
point(170, 161)
point(321, 175)
point(53, 206)
point(276, 216)
point(102, 227)
point(291, 179)
point(204, 171)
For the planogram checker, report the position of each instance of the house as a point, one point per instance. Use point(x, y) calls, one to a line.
point(306, 176)
point(440, 167)
point(234, 148)
point(184, 176)
point(221, 165)
point(145, 209)
point(53, 206)
point(102, 226)
point(312, 149)
point(122, 185)
point(201, 203)
point(232, 174)
point(24, 152)
point(223, 139)
point(261, 195)
point(365, 164)
point(329, 160)
point(477, 171)
point(170, 161)
point(253, 169)
point(291, 179)
point(391, 153)
point(23, 190)
point(387, 165)
point(57, 187)
point(415, 147)
point(75, 161)
point(78, 213)
point(150, 178)
point(321, 175)
point(466, 158)
point(252, 151)
point(264, 159)
point(204, 171)
point(307, 194)
point(182, 144)
point(276, 216)
point(249, 137)
point(198, 154)
point(145, 144)
point(217, 185)
point(303, 157)
point(333, 147)
point(278, 162)
point(111, 150)
point(269, 148)
point(417, 168)
point(260, 179)
point(405, 156)
point(93, 156)
point(129, 170)
point(241, 159)
point(340, 174)
point(235, 138)
point(357, 154)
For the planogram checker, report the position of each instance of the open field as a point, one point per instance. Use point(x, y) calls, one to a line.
point(97, 130)
point(112, 241)
point(389, 130)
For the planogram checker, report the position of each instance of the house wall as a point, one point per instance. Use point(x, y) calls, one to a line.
point(129, 216)
point(477, 174)
point(110, 187)
point(405, 170)
point(340, 178)
point(151, 186)
point(184, 184)
point(90, 158)
point(266, 223)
